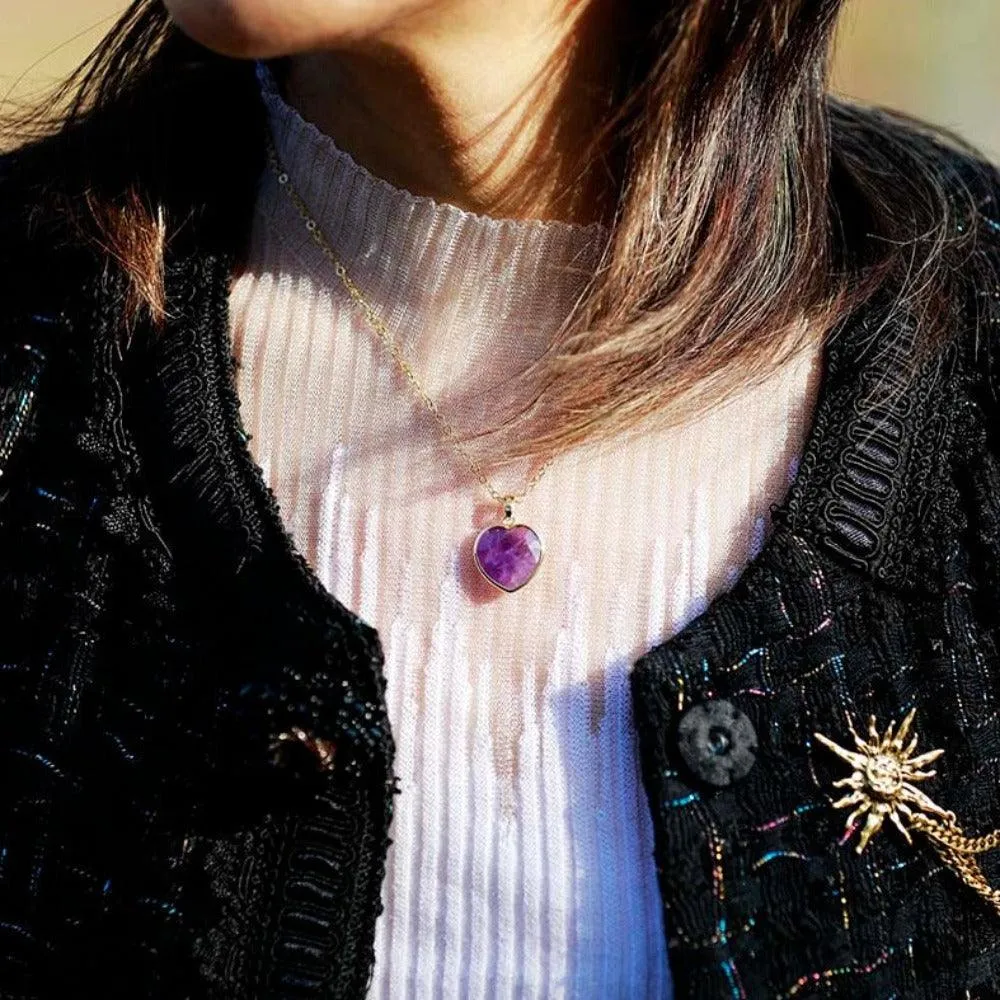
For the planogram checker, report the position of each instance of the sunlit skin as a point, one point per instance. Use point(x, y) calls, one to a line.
point(490, 106)
point(262, 29)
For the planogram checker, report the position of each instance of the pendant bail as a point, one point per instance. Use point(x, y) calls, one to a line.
point(508, 511)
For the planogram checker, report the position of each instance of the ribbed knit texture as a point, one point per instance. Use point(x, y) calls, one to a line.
point(522, 858)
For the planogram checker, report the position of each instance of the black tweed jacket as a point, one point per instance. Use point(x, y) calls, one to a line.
point(159, 632)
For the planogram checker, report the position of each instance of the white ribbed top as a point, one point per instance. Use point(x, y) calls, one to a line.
point(522, 864)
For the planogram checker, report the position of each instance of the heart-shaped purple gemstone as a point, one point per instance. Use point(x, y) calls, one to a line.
point(508, 557)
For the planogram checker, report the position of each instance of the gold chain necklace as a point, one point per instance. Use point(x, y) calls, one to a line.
point(506, 554)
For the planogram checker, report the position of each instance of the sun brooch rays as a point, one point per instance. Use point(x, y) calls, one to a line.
point(883, 783)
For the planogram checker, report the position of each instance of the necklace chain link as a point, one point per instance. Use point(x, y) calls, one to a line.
point(377, 325)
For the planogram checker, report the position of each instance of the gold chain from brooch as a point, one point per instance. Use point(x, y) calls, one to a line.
point(956, 851)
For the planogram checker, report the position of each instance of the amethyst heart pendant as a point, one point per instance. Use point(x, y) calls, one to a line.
point(507, 554)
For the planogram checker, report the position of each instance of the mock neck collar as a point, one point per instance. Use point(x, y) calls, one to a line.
point(437, 274)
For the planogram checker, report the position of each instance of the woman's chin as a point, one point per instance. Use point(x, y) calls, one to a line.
point(266, 29)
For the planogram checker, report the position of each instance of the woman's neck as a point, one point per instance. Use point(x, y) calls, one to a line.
point(497, 114)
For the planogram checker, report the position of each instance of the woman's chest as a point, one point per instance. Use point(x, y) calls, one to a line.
point(522, 842)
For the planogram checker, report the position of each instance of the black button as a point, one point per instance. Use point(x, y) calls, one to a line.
point(717, 741)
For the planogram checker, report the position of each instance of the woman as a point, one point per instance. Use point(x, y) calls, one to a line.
point(305, 305)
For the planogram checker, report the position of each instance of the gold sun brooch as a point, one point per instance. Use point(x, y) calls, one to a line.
point(883, 786)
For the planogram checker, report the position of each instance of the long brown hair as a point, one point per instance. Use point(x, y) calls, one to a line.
point(753, 213)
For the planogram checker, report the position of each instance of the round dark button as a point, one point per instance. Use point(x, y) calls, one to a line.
point(717, 741)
